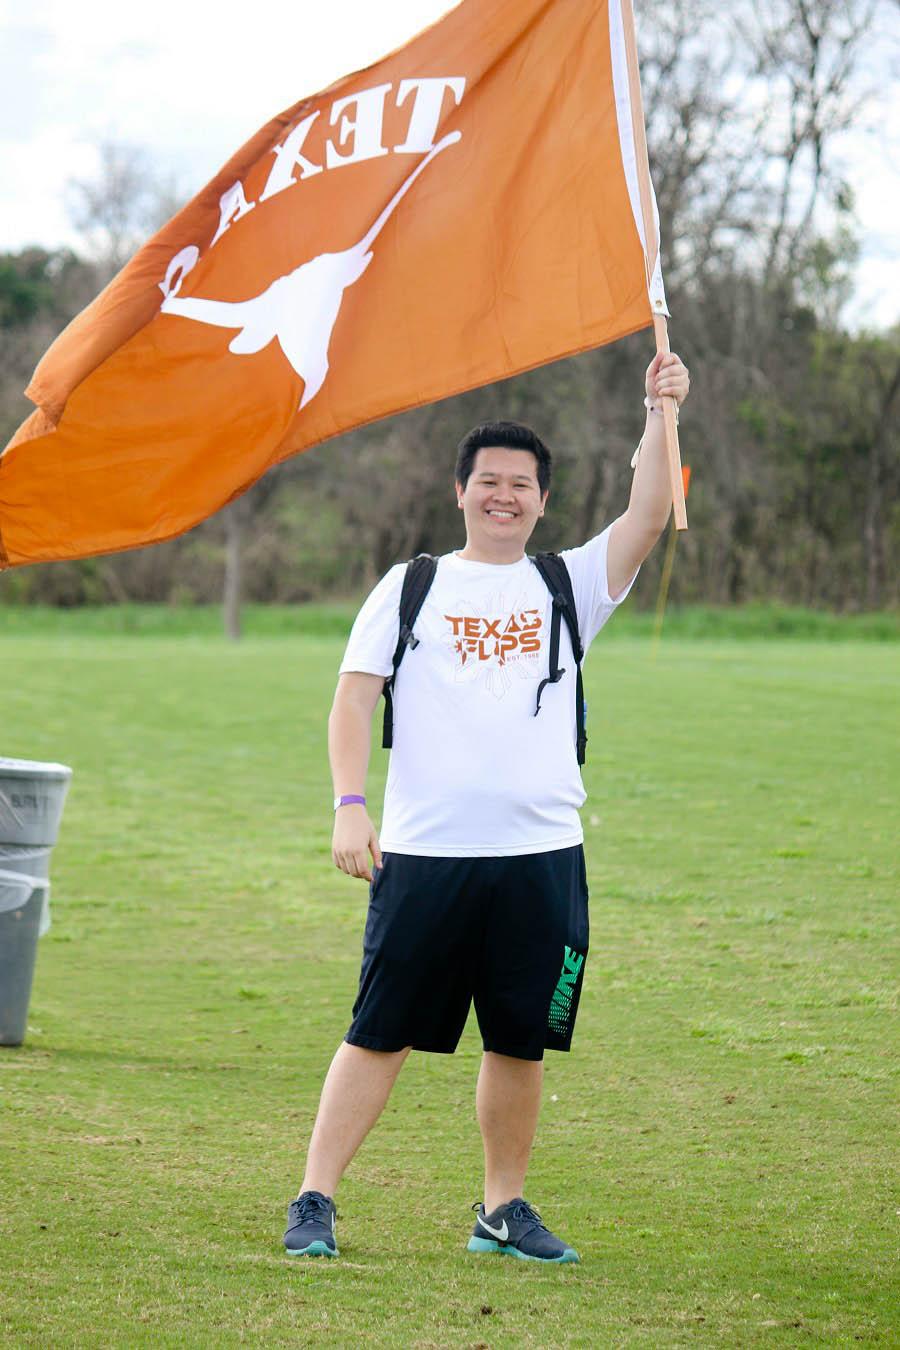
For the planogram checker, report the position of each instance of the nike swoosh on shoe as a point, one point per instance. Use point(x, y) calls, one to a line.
point(501, 1233)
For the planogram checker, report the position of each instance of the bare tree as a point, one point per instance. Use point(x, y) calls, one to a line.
point(234, 520)
point(743, 105)
point(807, 53)
point(240, 518)
point(126, 201)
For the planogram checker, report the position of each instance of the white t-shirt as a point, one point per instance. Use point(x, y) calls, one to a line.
point(473, 771)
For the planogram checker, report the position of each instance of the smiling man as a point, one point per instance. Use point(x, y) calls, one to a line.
point(477, 883)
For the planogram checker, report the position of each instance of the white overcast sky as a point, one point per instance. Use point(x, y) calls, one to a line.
point(191, 80)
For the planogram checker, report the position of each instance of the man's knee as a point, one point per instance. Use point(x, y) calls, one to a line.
point(374, 1055)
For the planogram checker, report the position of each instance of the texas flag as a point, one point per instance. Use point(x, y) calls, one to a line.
point(462, 210)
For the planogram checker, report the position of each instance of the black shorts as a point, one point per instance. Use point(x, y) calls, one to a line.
point(510, 932)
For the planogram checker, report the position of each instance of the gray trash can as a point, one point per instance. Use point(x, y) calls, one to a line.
point(33, 865)
point(32, 797)
point(21, 909)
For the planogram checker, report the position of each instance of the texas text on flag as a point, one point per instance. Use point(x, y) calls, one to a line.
point(464, 209)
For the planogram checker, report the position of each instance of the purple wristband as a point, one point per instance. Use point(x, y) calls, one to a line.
point(349, 800)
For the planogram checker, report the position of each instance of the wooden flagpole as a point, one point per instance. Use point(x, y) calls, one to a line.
point(660, 328)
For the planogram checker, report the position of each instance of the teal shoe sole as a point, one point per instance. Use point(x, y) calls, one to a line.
point(317, 1248)
point(477, 1244)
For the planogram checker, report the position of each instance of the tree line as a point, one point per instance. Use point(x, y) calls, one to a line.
point(791, 430)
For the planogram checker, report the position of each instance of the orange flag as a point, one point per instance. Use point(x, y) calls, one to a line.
point(464, 209)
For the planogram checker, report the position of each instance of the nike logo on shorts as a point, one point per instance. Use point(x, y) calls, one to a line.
point(501, 1233)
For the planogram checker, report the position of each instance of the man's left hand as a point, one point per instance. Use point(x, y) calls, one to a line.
point(667, 376)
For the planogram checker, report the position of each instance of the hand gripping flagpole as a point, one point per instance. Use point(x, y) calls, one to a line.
point(651, 250)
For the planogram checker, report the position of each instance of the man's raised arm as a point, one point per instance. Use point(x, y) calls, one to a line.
point(634, 533)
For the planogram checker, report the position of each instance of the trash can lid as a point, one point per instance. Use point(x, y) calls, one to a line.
point(32, 768)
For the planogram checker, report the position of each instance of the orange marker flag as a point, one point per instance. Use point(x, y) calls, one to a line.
point(464, 209)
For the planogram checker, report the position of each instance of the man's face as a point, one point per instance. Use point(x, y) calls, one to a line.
point(502, 501)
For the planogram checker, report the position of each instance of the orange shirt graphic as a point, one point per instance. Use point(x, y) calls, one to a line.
point(501, 640)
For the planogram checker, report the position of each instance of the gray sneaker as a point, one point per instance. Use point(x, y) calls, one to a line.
point(310, 1230)
point(516, 1229)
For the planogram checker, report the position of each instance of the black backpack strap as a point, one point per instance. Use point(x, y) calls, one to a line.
point(559, 583)
point(417, 581)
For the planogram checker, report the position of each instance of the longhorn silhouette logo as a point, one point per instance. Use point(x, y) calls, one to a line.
point(301, 308)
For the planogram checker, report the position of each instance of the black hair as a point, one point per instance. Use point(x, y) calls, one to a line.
point(508, 436)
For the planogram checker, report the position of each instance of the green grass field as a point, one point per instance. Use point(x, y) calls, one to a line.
point(719, 1145)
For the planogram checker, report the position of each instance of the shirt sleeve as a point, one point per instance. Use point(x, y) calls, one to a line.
point(590, 583)
point(376, 629)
